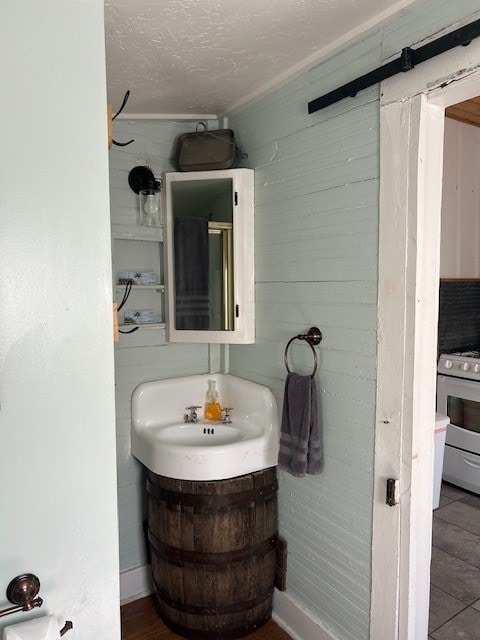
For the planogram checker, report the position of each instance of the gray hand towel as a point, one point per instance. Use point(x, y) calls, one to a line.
point(191, 273)
point(301, 449)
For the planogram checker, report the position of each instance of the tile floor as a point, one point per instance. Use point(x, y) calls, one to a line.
point(455, 569)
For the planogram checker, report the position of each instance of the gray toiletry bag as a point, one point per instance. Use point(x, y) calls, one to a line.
point(207, 150)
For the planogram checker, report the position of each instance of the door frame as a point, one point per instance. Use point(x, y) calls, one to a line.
point(411, 166)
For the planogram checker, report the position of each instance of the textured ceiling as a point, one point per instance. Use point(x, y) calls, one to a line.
point(211, 56)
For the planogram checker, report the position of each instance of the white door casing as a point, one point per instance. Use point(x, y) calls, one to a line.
point(411, 159)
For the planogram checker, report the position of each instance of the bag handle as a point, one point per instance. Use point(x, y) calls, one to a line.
point(212, 134)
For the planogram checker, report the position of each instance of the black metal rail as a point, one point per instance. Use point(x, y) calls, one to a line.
point(408, 59)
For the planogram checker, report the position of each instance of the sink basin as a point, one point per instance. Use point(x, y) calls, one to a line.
point(199, 435)
point(204, 450)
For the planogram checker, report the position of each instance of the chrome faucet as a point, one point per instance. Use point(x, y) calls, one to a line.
point(192, 417)
point(226, 418)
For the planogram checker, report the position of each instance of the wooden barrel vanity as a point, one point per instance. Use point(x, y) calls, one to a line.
point(213, 552)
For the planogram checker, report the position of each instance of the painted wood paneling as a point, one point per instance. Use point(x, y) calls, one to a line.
point(426, 20)
point(460, 237)
point(144, 355)
point(316, 234)
point(316, 237)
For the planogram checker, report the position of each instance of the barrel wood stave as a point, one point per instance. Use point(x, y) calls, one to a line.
point(214, 566)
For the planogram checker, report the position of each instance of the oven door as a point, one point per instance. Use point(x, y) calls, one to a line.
point(460, 400)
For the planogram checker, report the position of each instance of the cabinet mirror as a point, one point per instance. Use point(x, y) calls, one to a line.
point(209, 256)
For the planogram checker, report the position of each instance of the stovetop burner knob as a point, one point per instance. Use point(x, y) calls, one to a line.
point(465, 366)
point(448, 364)
point(476, 368)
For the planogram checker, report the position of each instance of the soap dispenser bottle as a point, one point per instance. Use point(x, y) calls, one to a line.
point(212, 405)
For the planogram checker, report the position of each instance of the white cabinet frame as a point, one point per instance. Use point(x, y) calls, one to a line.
point(243, 259)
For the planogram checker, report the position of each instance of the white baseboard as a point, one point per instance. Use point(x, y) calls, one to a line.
point(135, 584)
point(288, 614)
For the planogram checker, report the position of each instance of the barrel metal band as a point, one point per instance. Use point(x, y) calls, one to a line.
point(212, 501)
point(213, 610)
point(215, 634)
point(183, 557)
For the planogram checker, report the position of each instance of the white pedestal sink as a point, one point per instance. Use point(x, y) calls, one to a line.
point(206, 450)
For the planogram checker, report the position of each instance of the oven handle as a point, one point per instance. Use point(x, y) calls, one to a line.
point(470, 463)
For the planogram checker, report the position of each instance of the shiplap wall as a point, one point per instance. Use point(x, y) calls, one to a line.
point(316, 219)
point(153, 146)
point(460, 239)
point(316, 223)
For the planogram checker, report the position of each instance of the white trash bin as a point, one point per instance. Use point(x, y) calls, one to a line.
point(441, 423)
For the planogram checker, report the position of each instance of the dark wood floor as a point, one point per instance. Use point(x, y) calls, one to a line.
point(141, 622)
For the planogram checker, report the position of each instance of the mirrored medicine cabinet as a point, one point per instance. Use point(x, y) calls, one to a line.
point(209, 256)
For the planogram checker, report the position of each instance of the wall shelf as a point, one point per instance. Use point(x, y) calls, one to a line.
point(136, 232)
point(138, 249)
point(147, 325)
point(160, 288)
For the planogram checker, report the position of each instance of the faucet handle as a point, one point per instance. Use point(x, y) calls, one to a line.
point(193, 413)
point(227, 419)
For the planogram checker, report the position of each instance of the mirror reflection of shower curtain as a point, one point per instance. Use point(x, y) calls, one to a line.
point(191, 254)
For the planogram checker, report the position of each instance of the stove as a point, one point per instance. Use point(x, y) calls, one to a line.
point(458, 396)
point(461, 364)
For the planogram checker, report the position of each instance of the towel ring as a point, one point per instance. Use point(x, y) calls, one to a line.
point(313, 337)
